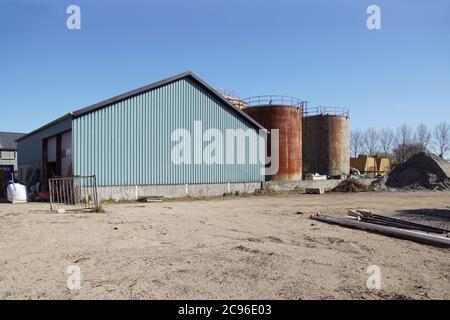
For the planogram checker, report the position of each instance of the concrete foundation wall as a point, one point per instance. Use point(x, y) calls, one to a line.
point(201, 190)
point(174, 191)
point(303, 184)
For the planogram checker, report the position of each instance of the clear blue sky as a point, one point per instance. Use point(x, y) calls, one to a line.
point(319, 50)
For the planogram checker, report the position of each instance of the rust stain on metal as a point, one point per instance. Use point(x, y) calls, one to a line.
point(339, 132)
point(288, 120)
point(326, 144)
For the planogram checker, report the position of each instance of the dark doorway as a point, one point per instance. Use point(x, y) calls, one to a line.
point(57, 155)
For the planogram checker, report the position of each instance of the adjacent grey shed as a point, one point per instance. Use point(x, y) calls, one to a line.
point(8, 149)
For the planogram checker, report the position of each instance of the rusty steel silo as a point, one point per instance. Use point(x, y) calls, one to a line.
point(326, 141)
point(285, 114)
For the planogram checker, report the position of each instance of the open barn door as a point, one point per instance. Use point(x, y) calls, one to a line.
point(57, 155)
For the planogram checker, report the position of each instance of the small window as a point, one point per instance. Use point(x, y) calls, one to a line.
point(8, 155)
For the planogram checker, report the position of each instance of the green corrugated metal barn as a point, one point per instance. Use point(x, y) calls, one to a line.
point(127, 143)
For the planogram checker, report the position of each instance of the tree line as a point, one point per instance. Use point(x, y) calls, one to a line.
point(401, 143)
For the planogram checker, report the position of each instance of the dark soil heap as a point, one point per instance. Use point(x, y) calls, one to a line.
point(352, 185)
point(421, 171)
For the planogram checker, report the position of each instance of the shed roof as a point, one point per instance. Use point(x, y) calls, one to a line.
point(152, 86)
point(8, 140)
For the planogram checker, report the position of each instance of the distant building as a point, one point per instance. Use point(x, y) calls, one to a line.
point(8, 157)
point(8, 149)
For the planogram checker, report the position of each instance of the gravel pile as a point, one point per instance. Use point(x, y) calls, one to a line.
point(422, 171)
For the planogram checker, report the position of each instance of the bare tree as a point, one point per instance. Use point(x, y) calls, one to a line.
point(442, 138)
point(403, 153)
point(423, 137)
point(387, 138)
point(403, 141)
point(371, 141)
point(356, 142)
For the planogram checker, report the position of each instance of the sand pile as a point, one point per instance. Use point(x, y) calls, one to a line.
point(421, 171)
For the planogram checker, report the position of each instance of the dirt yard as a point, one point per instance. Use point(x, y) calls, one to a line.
point(240, 248)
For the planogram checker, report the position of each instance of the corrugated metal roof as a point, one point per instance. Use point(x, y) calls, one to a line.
point(8, 140)
point(150, 87)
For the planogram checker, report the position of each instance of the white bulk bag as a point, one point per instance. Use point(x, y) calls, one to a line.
point(16, 192)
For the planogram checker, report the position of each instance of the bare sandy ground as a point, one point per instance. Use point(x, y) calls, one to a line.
point(240, 248)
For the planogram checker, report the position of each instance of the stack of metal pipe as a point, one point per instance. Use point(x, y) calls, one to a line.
point(368, 221)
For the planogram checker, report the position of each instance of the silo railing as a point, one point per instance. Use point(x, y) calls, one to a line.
point(326, 111)
point(275, 100)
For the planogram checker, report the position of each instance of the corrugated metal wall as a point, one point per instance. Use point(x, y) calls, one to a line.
point(129, 142)
point(29, 150)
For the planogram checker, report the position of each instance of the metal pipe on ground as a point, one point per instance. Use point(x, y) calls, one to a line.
point(371, 217)
point(400, 225)
point(388, 231)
